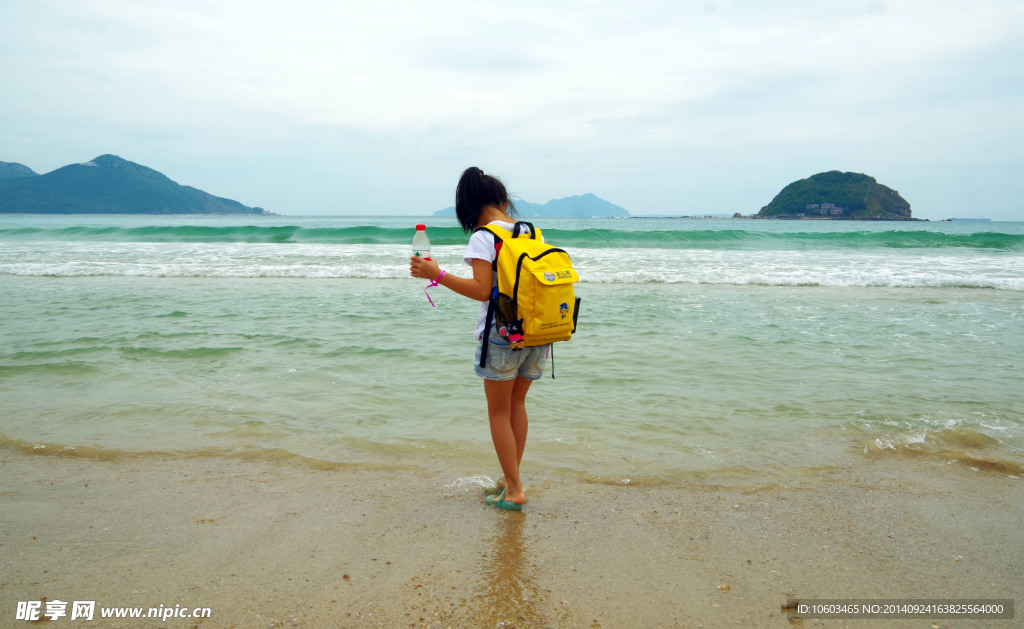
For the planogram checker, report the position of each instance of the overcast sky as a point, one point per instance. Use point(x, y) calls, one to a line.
point(684, 107)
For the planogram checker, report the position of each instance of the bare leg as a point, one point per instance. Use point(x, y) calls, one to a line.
point(506, 410)
point(517, 415)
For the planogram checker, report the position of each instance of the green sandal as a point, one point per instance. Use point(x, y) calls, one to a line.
point(500, 502)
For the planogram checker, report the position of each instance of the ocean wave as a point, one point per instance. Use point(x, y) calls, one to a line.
point(724, 239)
point(962, 446)
point(751, 277)
point(931, 267)
point(741, 239)
point(745, 273)
point(103, 453)
point(366, 234)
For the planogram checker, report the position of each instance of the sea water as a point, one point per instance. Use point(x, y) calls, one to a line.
point(706, 348)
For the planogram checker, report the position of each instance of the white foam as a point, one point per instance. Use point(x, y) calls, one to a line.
point(906, 269)
point(468, 484)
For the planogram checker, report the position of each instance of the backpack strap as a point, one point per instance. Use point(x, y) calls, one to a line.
point(492, 302)
point(497, 244)
point(518, 229)
point(491, 307)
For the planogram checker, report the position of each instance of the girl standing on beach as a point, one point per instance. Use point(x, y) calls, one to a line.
point(481, 199)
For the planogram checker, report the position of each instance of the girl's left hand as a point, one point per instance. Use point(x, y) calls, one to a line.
point(424, 268)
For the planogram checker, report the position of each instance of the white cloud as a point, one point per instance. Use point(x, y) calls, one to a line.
point(593, 84)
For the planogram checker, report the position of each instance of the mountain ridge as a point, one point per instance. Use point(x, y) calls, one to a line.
point(578, 206)
point(14, 170)
point(108, 184)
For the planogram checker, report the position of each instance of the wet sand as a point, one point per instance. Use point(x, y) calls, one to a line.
point(281, 544)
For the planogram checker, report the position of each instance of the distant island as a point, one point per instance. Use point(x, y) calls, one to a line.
point(581, 206)
point(836, 195)
point(105, 185)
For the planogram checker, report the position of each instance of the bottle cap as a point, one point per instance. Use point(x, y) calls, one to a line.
point(420, 228)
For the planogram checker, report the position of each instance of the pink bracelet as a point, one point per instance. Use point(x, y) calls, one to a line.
point(432, 284)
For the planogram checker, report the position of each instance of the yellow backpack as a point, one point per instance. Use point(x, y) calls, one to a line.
point(534, 302)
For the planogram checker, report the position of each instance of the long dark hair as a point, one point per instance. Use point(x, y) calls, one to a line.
point(476, 190)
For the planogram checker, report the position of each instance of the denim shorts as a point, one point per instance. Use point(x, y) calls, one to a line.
point(505, 364)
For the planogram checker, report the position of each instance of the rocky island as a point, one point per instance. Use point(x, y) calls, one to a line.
point(836, 195)
point(105, 185)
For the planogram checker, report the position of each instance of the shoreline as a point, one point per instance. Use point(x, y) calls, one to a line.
point(278, 544)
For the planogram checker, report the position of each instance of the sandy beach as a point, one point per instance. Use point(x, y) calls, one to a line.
point(282, 544)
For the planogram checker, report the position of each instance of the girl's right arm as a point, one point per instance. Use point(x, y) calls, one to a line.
point(477, 287)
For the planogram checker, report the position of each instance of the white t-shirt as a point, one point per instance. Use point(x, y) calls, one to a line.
point(481, 247)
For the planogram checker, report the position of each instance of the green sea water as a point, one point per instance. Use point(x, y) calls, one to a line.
point(712, 349)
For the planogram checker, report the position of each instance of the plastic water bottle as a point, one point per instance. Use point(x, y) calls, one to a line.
point(420, 243)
